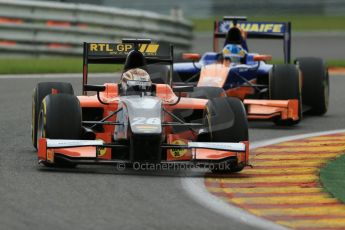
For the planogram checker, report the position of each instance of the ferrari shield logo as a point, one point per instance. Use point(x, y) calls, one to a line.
point(176, 153)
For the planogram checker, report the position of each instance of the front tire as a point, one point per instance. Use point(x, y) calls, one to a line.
point(41, 90)
point(284, 84)
point(60, 118)
point(227, 122)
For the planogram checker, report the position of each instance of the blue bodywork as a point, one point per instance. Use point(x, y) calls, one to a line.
point(249, 70)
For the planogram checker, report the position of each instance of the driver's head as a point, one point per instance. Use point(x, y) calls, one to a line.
point(136, 74)
point(136, 80)
point(234, 53)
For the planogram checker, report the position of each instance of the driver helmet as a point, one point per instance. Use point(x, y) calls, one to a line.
point(136, 80)
point(234, 53)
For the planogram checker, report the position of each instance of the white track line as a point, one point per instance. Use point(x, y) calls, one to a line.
point(196, 189)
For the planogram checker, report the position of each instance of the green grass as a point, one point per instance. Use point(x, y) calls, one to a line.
point(335, 63)
point(51, 65)
point(333, 178)
point(299, 22)
point(329, 63)
point(74, 65)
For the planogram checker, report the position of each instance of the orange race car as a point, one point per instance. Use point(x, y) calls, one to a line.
point(136, 122)
point(281, 92)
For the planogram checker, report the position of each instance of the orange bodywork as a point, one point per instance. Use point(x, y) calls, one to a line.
point(213, 75)
point(269, 109)
point(240, 92)
point(257, 109)
point(111, 100)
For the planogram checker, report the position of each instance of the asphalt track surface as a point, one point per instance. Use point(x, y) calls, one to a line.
point(328, 45)
point(100, 197)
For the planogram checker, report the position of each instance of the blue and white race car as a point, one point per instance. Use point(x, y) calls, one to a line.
point(279, 92)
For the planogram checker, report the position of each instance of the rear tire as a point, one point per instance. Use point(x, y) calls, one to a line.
point(315, 86)
point(284, 84)
point(60, 118)
point(227, 122)
point(43, 89)
point(159, 74)
point(207, 92)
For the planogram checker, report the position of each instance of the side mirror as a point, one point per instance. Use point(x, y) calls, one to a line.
point(262, 57)
point(191, 56)
point(183, 89)
point(96, 88)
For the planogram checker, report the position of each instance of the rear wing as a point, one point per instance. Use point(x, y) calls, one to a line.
point(258, 30)
point(116, 53)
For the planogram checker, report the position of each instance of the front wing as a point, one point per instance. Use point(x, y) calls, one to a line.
point(272, 109)
point(90, 152)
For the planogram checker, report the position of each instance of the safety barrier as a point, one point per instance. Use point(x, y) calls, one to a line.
point(51, 28)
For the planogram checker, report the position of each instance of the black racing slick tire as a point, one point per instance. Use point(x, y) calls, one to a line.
point(227, 121)
point(207, 92)
point(285, 84)
point(41, 90)
point(159, 74)
point(315, 84)
point(60, 117)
